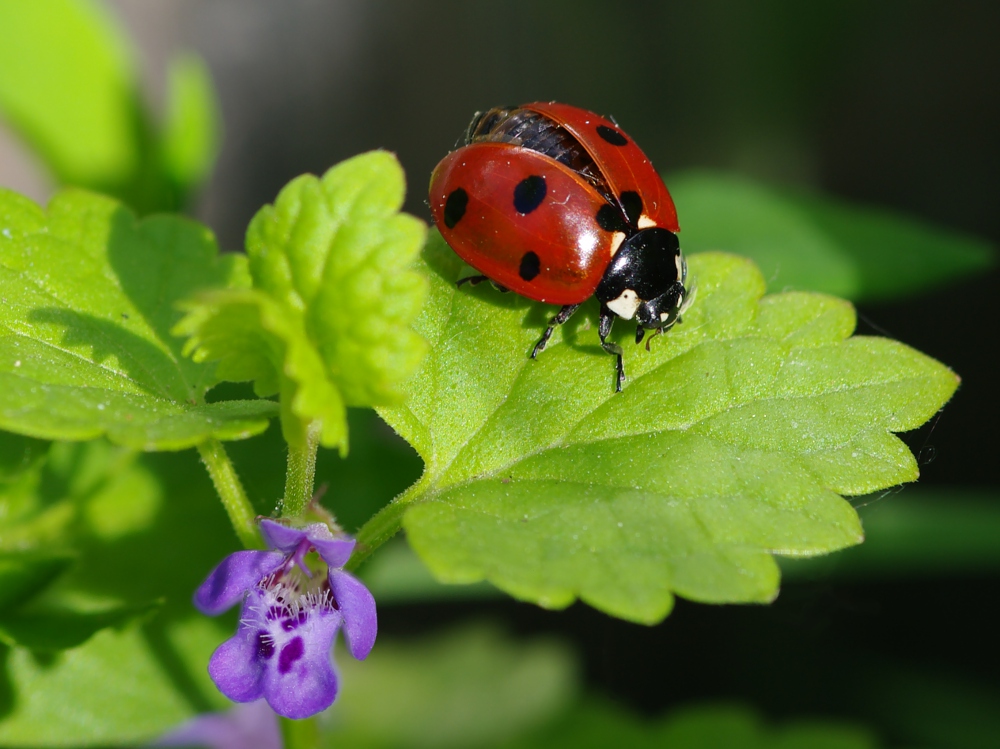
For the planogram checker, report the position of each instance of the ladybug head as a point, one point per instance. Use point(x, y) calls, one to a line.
point(645, 279)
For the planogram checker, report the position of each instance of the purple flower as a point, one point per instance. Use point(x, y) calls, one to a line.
point(290, 618)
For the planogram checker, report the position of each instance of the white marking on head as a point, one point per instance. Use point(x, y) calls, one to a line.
point(616, 242)
point(625, 305)
point(645, 222)
point(681, 264)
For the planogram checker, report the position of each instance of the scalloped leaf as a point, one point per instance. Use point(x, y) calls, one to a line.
point(809, 242)
point(89, 296)
point(731, 441)
point(328, 321)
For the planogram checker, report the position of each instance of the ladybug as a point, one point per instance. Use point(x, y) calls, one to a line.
point(557, 204)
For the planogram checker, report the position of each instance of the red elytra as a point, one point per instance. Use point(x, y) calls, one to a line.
point(573, 250)
point(558, 204)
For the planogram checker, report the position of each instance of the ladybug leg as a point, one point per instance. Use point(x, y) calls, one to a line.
point(476, 280)
point(561, 316)
point(604, 330)
point(639, 333)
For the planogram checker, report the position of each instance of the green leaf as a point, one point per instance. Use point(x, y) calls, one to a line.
point(48, 630)
point(25, 575)
point(462, 688)
point(66, 86)
point(327, 322)
point(598, 724)
point(85, 346)
point(191, 131)
point(731, 442)
point(88, 695)
point(813, 243)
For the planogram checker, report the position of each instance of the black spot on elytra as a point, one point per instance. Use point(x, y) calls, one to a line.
point(529, 194)
point(612, 136)
point(632, 204)
point(610, 218)
point(530, 266)
point(454, 207)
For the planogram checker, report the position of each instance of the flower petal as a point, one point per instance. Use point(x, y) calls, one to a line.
point(250, 726)
point(281, 537)
point(236, 574)
point(357, 606)
point(236, 666)
point(299, 680)
point(335, 551)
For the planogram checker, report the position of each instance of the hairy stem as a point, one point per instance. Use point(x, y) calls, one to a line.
point(230, 490)
point(383, 525)
point(301, 475)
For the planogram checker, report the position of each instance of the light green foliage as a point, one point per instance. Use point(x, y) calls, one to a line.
point(112, 690)
point(596, 724)
point(806, 242)
point(124, 684)
point(73, 492)
point(68, 86)
point(463, 688)
point(190, 134)
point(731, 442)
point(326, 324)
point(90, 295)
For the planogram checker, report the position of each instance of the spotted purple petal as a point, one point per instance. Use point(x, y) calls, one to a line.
point(280, 654)
point(357, 606)
point(250, 726)
point(238, 572)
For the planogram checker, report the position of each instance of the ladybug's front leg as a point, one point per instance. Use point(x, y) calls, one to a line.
point(561, 316)
point(604, 330)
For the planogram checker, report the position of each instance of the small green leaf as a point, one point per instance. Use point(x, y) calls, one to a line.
point(66, 85)
point(191, 131)
point(25, 575)
point(731, 442)
point(327, 322)
point(53, 630)
point(85, 347)
point(814, 243)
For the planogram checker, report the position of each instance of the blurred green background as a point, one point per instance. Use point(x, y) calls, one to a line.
point(894, 104)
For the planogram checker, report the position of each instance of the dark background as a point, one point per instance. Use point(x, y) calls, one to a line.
point(889, 103)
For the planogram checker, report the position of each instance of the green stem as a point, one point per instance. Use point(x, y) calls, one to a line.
point(301, 475)
point(234, 497)
point(300, 734)
point(383, 525)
